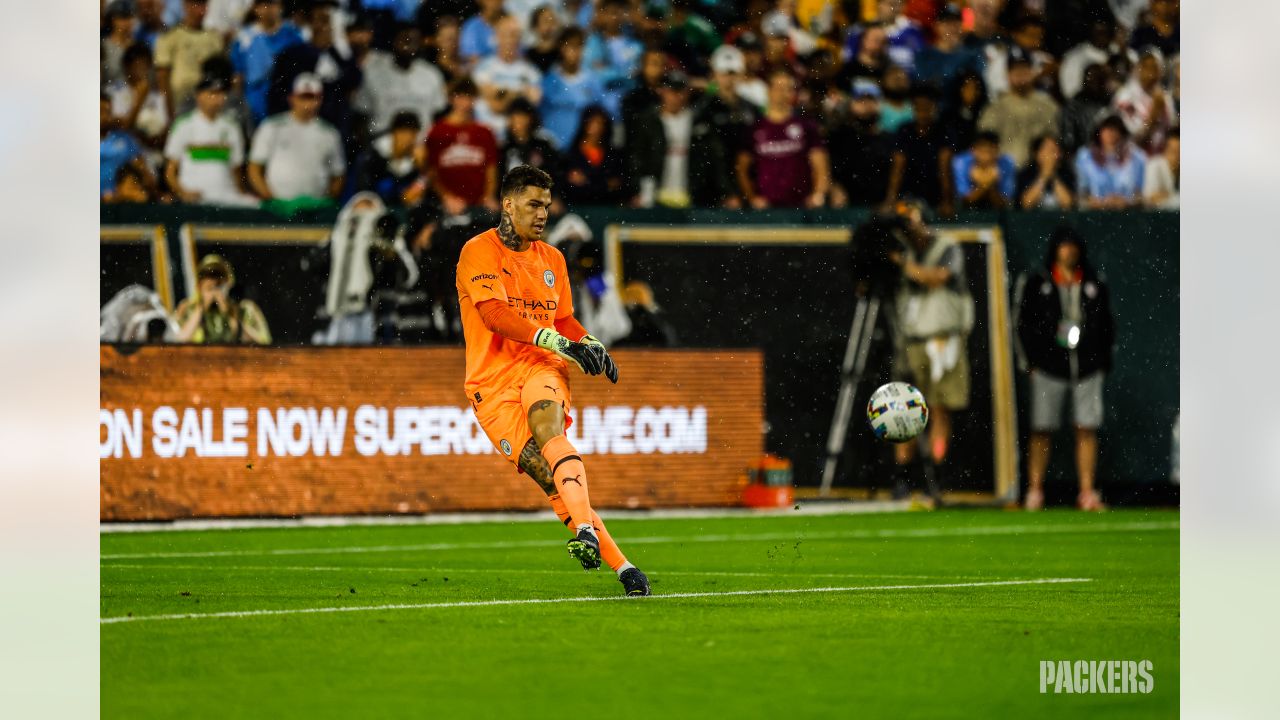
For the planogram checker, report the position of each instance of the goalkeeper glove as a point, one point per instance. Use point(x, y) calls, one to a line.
point(585, 358)
point(606, 362)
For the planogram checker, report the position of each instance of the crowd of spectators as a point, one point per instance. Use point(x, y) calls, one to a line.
point(677, 103)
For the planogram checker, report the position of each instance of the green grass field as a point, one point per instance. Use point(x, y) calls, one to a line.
point(393, 621)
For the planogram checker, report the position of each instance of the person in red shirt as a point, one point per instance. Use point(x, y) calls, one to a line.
point(785, 162)
point(460, 156)
point(522, 340)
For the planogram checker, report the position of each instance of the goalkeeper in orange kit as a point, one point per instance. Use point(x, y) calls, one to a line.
point(521, 336)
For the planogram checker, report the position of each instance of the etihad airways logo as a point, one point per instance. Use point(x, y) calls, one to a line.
point(532, 305)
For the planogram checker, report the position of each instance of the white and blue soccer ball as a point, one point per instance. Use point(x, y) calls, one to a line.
point(897, 412)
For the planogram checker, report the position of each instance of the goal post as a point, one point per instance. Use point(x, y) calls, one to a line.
point(985, 243)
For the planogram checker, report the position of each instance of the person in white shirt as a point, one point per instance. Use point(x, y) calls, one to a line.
point(205, 151)
point(400, 80)
point(1144, 103)
point(226, 16)
point(1097, 50)
point(505, 76)
point(296, 154)
point(1163, 176)
point(138, 104)
point(677, 127)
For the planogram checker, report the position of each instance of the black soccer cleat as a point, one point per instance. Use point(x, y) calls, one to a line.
point(585, 548)
point(634, 582)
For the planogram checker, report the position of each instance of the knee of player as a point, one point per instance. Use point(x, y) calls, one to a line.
point(546, 420)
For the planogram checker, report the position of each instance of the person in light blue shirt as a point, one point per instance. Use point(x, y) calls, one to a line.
point(119, 154)
point(984, 178)
point(568, 89)
point(254, 51)
point(613, 55)
point(1109, 171)
point(476, 39)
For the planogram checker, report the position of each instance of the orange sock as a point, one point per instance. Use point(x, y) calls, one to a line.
point(570, 477)
point(609, 549)
point(561, 511)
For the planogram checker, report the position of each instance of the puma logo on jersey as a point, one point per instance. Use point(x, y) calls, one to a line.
point(575, 479)
point(550, 388)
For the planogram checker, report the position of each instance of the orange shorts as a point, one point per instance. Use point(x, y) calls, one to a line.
point(504, 415)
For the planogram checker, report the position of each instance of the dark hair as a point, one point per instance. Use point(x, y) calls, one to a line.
point(537, 13)
point(464, 86)
point(406, 120)
point(1062, 235)
point(987, 136)
point(1110, 121)
point(134, 52)
point(573, 32)
point(115, 11)
point(588, 113)
point(1028, 20)
point(522, 176)
point(1175, 133)
point(522, 105)
point(1038, 140)
point(925, 90)
point(442, 21)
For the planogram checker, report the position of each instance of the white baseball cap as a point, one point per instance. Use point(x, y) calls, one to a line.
point(308, 84)
point(728, 59)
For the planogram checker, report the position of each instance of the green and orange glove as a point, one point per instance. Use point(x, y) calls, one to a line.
point(585, 357)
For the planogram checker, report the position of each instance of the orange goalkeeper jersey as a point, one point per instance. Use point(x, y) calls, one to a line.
point(533, 283)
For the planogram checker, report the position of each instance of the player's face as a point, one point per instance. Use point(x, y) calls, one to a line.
point(1068, 254)
point(211, 102)
point(782, 91)
point(528, 210)
point(985, 153)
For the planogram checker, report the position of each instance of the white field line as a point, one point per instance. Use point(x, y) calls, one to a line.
point(796, 536)
point(548, 601)
point(512, 571)
point(802, 508)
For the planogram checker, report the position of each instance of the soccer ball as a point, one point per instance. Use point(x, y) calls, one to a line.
point(897, 412)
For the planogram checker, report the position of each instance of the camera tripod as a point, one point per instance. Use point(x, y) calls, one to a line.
point(858, 348)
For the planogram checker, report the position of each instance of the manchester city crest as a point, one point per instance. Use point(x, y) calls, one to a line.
point(506, 448)
point(549, 278)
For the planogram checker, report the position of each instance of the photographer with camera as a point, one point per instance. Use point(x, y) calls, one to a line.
point(935, 314)
point(212, 315)
point(367, 256)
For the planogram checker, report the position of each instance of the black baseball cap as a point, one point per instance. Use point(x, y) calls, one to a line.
point(406, 120)
point(1018, 56)
point(522, 105)
point(950, 12)
point(748, 41)
point(675, 80)
point(212, 82)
